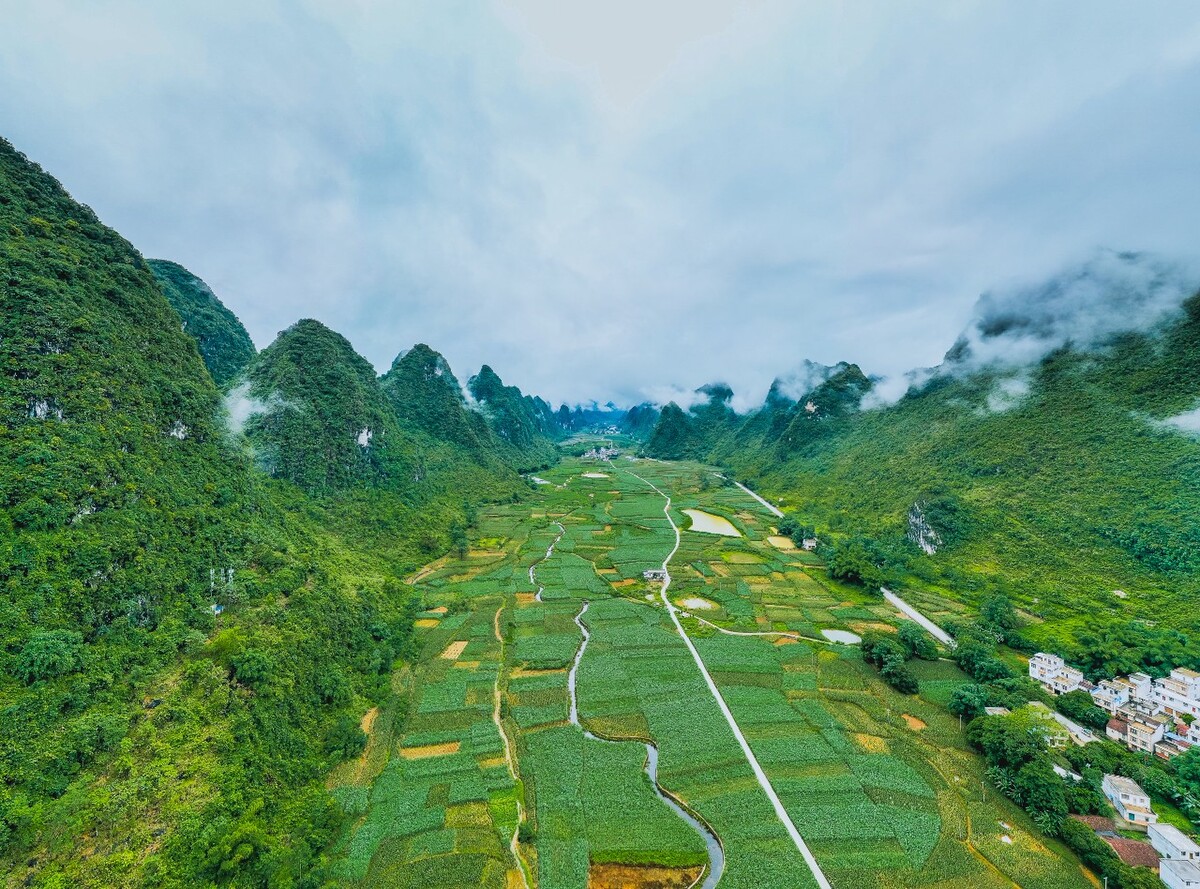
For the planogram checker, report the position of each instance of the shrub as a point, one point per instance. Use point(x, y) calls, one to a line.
point(49, 654)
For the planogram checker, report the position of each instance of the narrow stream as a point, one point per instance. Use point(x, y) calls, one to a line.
point(549, 552)
point(716, 854)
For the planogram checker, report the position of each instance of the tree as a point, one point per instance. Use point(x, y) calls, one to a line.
point(1040, 790)
point(856, 561)
point(252, 667)
point(49, 654)
point(999, 615)
point(968, 701)
point(1187, 769)
point(897, 674)
point(1010, 741)
point(345, 739)
point(917, 642)
point(1078, 705)
point(459, 540)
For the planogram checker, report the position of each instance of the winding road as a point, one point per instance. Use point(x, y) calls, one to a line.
point(763, 781)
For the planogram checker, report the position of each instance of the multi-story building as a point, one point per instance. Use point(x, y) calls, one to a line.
point(1179, 693)
point(1136, 729)
point(1112, 694)
point(1131, 802)
point(1052, 672)
point(1193, 733)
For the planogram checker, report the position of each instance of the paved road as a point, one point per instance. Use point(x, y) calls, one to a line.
point(763, 781)
point(774, 510)
point(934, 630)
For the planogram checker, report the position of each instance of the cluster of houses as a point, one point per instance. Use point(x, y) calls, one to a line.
point(1175, 855)
point(602, 453)
point(1157, 716)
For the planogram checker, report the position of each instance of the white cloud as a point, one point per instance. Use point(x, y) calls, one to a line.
point(609, 201)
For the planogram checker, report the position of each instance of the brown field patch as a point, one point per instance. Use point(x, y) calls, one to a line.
point(779, 542)
point(526, 598)
point(627, 876)
point(629, 581)
point(430, 750)
point(871, 743)
point(912, 722)
point(719, 568)
point(466, 665)
point(525, 671)
point(426, 623)
point(441, 609)
point(453, 650)
point(863, 626)
point(368, 721)
point(786, 640)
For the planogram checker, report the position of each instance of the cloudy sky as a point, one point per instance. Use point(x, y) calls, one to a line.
point(608, 200)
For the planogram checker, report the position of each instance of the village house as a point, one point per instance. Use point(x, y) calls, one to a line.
point(1112, 694)
point(655, 575)
point(1135, 730)
point(1053, 673)
point(1131, 802)
point(1179, 693)
point(1179, 874)
point(808, 544)
point(1171, 842)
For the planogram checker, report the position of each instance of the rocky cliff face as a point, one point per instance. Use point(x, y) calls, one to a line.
point(920, 531)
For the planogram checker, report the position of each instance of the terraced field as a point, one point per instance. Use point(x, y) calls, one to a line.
point(476, 774)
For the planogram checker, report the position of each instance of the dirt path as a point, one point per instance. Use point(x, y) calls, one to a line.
point(763, 781)
point(785, 634)
point(509, 759)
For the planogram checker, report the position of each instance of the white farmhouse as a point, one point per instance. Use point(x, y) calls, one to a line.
point(1171, 842)
point(1179, 874)
point(1052, 672)
point(1112, 694)
point(1131, 802)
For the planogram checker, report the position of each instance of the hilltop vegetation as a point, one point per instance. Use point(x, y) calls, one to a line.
point(222, 340)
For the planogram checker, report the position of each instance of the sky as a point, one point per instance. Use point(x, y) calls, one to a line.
point(619, 201)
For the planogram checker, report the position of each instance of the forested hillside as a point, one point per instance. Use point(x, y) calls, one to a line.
point(187, 644)
point(222, 340)
point(525, 424)
point(1056, 480)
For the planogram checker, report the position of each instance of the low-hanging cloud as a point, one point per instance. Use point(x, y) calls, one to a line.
point(1084, 307)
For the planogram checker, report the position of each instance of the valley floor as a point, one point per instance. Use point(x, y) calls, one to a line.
point(476, 774)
